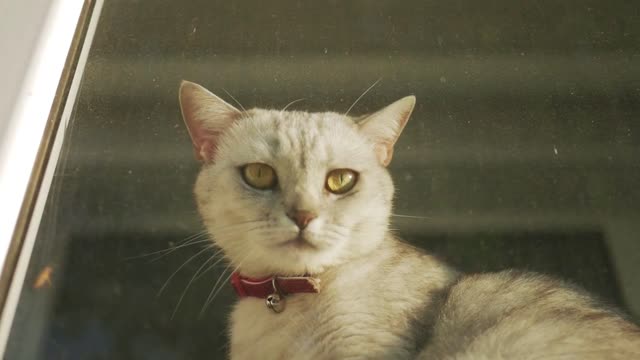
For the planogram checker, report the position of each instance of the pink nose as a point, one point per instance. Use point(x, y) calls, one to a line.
point(301, 218)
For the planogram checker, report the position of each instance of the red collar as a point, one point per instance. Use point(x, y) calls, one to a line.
point(262, 288)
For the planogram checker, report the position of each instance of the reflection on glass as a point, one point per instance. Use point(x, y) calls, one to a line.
point(522, 152)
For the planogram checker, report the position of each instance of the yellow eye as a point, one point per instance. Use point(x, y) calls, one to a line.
point(260, 176)
point(340, 181)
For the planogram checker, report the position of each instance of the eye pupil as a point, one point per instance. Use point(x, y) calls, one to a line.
point(341, 181)
point(259, 176)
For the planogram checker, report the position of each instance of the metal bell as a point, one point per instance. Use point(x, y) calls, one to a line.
point(275, 302)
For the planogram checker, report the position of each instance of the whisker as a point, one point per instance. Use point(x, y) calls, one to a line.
point(235, 225)
point(167, 251)
point(289, 104)
point(226, 280)
point(234, 99)
point(411, 216)
point(214, 292)
point(189, 238)
point(181, 266)
point(213, 295)
point(213, 289)
point(193, 278)
point(184, 241)
point(245, 231)
point(210, 267)
point(361, 96)
point(178, 247)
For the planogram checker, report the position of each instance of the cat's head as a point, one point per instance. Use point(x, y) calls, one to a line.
point(290, 192)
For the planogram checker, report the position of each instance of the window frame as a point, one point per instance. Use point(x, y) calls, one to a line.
point(31, 137)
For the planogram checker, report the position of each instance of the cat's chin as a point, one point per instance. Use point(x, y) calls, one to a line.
point(299, 242)
point(291, 258)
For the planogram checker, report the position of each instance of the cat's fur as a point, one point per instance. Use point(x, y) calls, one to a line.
point(380, 298)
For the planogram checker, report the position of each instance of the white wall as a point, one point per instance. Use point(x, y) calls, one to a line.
point(35, 36)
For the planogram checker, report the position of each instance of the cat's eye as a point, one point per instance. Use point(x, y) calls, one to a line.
point(340, 181)
point(260, 176)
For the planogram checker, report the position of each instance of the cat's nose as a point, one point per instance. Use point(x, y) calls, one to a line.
point(302, 218)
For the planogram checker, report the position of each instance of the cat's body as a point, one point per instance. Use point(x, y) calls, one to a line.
point(376, 306)
point(397, 303)
point(296, 193)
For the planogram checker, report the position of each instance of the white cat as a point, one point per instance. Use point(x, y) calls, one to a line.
point(300, 203)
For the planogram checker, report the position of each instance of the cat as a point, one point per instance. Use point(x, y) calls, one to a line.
point(300, 204)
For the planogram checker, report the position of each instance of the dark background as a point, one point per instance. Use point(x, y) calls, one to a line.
point(522, 151)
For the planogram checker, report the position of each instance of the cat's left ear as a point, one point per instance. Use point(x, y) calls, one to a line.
point(384, 127)
point(206, 117)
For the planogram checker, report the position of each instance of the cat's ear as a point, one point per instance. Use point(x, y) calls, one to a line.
point(384, 127)
point(206, 117)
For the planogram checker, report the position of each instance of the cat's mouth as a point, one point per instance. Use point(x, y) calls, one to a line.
point(299, 242)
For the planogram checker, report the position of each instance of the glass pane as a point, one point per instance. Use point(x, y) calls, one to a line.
point(522, 152)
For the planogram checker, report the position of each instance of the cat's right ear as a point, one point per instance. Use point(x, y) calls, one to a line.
point(384, 127)
point(206, 117)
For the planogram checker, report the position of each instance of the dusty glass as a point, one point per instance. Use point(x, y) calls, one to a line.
point(522, 152)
